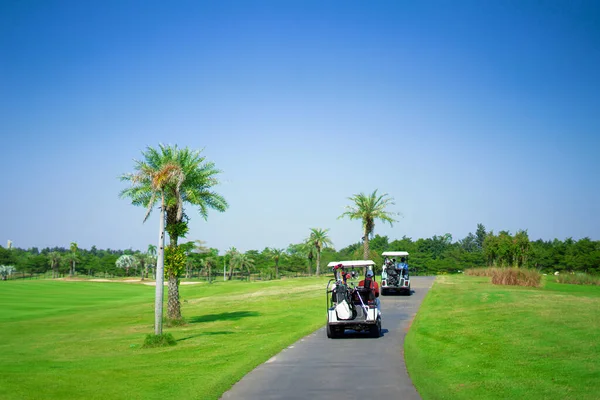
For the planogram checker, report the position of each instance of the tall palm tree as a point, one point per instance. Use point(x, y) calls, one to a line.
point(148, 183)
point(192, 184)
point(368, 208)
point(54, 257)
point(276, 255)
point(319, 239)
point(73, 260)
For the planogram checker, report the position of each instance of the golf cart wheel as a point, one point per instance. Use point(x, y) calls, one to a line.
point(383, 291)
point(375, 330)
point(334, 332)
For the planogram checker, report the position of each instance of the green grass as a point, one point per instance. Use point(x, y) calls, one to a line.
point(84, 340)
point(475, 340)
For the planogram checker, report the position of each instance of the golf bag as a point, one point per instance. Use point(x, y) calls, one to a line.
point(345, 308)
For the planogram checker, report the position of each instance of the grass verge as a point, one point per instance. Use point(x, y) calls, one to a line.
point(84, 340)
point(475, 340)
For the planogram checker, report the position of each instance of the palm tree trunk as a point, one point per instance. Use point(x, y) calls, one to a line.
point(230, 275)
point(366, 246)
point(318, 271)
point(160, 263)
point(173, 305)
point(276, 270)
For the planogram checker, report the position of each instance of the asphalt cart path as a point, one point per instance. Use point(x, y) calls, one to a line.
point(352, 367)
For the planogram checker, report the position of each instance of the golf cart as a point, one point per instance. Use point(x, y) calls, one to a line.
point(350, 306)
point(394, 276)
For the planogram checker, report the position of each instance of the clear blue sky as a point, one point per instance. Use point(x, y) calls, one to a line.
point(464, 112)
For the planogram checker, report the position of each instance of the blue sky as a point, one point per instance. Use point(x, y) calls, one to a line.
point(465, 112)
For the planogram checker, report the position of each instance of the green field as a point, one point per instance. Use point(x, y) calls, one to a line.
point(475, 340)
point(83, 340)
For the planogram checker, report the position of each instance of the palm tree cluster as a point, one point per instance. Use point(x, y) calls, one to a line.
point(171, 177)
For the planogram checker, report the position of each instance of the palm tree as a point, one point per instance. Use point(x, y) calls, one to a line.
point(231, 253)
point(242, 261)
point(309, 251)
point(151, 250)
point(142, 260)
point(368, 208)
point(319, 239)
point(6, 271)
point(276, 255)
point(147, 184)
point(192, 183)
point(126, 261)
point(54, 257)
point(73, 260)
point(151, 258)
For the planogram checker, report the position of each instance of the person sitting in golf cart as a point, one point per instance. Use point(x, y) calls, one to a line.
point(370, 283)
point(403, 266)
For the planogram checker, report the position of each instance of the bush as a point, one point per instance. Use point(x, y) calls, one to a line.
point(578, 278)
point(164, 340)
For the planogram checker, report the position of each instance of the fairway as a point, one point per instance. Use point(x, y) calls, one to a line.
point(82, 340)
point(475, 340)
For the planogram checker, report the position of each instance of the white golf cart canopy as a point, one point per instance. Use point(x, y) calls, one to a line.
point(395, 253)
point(353, 263)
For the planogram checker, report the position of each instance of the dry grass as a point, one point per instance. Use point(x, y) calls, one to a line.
point(509, 276)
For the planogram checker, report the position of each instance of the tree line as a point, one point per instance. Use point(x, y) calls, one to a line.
point(435, 255)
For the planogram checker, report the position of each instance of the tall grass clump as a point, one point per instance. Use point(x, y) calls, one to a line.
point(516, 277)
point(508, 276)
point(578, 278)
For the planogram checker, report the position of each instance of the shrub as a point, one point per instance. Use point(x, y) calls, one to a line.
point(578, 278)
point(166, 339)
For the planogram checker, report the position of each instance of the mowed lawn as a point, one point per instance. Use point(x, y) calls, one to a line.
point(83, 340)
point(475, 340)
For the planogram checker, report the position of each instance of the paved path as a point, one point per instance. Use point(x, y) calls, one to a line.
point(353, 367)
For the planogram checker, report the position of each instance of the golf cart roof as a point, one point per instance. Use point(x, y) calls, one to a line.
point(395, 253)
point(353, 263)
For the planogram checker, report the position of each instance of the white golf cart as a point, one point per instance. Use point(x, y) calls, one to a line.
point(394, 274)
point(350, 305)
